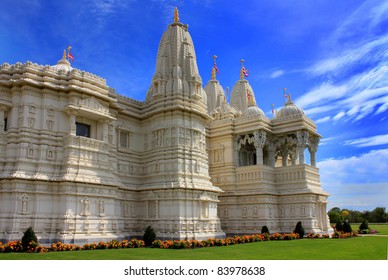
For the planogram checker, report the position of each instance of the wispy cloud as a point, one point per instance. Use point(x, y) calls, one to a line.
point(343, 179)
point(368, 141)
point(322, 120)
point(354, 80)
point(276, 74)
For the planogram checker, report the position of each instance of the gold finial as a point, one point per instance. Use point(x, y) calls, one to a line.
point(176, 15)
point(64, 54)
point(213, 73)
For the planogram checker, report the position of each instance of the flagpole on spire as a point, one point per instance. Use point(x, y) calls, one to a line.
point(69, 55)
point(285, 93)
point(243, 72)
point(215, 68)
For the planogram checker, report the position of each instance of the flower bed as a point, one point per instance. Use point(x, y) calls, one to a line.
point(16, 246)
point(176, 244)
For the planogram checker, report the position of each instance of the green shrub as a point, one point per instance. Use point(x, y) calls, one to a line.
point(347, 228)
point(299, 229)
point(364, 225)
point(338, 226)
point(264, 230)
point(149, 236)
point(29, 238)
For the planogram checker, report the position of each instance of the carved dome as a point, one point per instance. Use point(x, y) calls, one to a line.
point(251, 111)
point(289, 110)
point(63, 64)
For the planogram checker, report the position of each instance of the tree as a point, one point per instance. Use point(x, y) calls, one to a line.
point(28, 237)
point(344, 214)
point(378, 215)
point(149, 236)
point(336, 210)
point(334, 216)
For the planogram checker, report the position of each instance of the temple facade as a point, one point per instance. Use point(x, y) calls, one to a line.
point(81, 163)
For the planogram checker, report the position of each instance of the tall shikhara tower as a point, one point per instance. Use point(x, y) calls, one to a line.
point(175, 117)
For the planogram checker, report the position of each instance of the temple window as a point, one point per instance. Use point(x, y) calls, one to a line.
point(124, 139)
point(82, 129)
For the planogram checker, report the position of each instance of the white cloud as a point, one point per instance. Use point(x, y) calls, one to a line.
point(355, 76)
point(368, 141)
point(322, 120)
point(324, 141)
point(357, 181)
point(276, 74)
point(339, 116)
point(322, 94)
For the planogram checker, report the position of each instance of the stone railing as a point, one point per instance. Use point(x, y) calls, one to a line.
point(296, 173)
point(86, 143)
point(255, 173)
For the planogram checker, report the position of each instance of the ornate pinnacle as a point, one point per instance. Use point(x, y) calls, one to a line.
point(176, 15)
point(214, 67)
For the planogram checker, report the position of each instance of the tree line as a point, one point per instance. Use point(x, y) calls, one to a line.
point(378, 215)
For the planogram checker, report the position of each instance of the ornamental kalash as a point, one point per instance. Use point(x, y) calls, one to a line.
point(80, 163)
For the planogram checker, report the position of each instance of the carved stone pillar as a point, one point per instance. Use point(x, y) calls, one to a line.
point(105, 130)
point(294, 156)
point(72, 118)
point(271, 152)
point(284, 154)
point(260, 138)
point(236, 149)
point(2, 113)
point(303, 141)
point(313, 147)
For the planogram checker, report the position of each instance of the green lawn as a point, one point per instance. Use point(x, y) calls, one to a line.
point(381, 228)
point(359, 248)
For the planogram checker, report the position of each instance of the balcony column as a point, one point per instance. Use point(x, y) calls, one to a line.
point(271, 152)
point(313, 147)
point(237, 148)
point(303, 141)
point(260, 138)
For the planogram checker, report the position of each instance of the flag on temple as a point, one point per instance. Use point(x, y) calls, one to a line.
point(245, 71)
point(70, 56)
point(216, 68)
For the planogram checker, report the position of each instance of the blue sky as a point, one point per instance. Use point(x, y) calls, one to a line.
point(331, 55)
